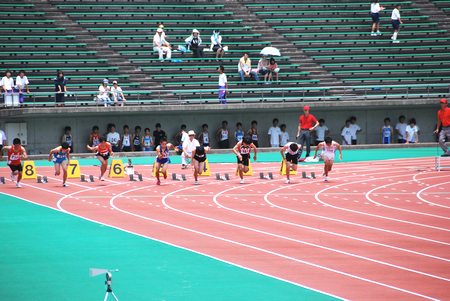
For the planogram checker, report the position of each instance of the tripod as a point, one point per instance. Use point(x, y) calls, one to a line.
point(109, 290)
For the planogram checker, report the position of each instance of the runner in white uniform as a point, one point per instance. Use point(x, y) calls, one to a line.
point(328, 148)
point(289, 153)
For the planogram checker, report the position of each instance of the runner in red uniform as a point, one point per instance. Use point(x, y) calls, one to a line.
point(16, 153)
point(104, 151)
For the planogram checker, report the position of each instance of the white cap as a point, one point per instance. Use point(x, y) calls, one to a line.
point(114, 82)
point(191, 133)
point(195, 31)
point(159, 30)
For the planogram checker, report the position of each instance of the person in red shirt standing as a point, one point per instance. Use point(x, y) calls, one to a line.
point(443, 117)
point(16, 153)
point(307, 123)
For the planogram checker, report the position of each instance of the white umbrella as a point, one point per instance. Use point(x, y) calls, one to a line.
point(270, 51)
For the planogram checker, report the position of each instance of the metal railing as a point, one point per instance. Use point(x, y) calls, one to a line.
point(238, 95)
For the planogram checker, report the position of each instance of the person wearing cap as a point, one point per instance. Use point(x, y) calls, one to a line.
point(189, 145)
point(443, 117)
point(307, 123)
point(103, 93)
point(194, 43)
point(216, 44)
point(117, 94)
point(161, 45)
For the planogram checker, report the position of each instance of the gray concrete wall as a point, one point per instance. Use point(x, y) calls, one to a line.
point(45, 130)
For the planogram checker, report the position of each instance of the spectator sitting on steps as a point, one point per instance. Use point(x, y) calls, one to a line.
point(245, 68)
point(194, 43)
point(161, 45)
point(103, 93)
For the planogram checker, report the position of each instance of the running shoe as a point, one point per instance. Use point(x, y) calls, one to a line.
point(158, 182)
point(325, 179)
point(287, 182)
point(65, 185)
point(242, 181)
point(196, 183)
point(102, 178)
point(18, 185)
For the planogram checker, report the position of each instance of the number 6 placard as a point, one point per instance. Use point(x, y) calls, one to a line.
point(116, 170)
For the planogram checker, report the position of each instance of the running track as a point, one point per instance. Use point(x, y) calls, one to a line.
point(376, 231)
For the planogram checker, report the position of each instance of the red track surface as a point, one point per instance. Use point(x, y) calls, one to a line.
point(376, 231)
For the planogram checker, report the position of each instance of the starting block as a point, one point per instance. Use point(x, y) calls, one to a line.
point(306, 176)
point(138, 178)
point(2, 180)
point(42, 179)
point(89, 179)
point(176, 177)
point(268, 177)
point(226, 177)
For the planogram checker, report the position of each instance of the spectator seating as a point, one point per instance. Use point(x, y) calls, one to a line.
point(337, 36)
point(33, 43)
point(128, 28)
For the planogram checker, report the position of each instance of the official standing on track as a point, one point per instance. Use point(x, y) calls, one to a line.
point(307, 123)
point(443, 117)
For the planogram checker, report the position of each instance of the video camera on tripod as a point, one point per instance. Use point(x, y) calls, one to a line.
point(108, 282)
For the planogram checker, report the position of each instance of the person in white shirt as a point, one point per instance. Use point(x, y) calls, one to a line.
point(346, 133)
point(386, 131)
point(117, 94)
point(103, 93)
point(7, 83)
point(274, 134)
point(355, 129)
point(375, 9)
point(223, 85)
point(3, 140)
point(400, 129)
point(161, 45)
point(204, 135)
point(113, 138)
point(216, 44)
point(284, 137)
point(22, 85)
point(412, 132)
point(189, 145)
point(125, 144)
point(322, 131)
point(396, 21)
